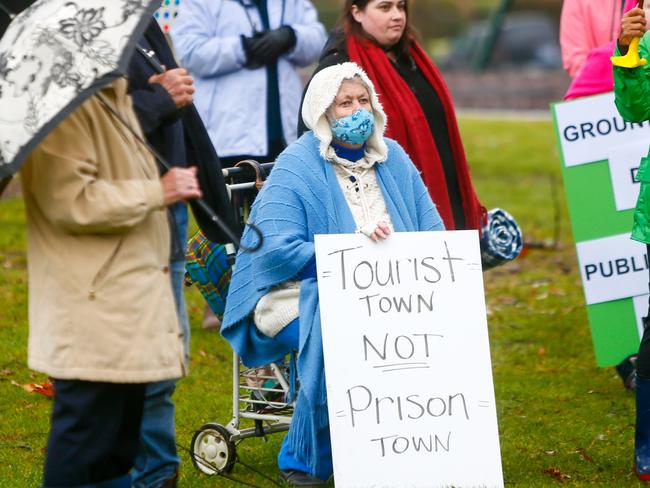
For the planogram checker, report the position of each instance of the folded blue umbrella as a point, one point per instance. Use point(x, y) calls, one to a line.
point(501, 239)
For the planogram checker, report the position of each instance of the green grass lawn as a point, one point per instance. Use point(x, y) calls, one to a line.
point(560, 418)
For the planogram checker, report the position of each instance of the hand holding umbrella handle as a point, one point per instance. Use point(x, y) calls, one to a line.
point(631, 59)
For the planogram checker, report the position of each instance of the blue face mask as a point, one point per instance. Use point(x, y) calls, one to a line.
point(354, 129)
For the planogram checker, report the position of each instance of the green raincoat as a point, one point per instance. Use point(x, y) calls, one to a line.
point(632, 92)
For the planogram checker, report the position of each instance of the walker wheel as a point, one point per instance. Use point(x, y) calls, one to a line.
point(212, 450)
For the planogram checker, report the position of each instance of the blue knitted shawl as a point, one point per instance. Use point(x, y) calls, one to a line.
point(302, 198)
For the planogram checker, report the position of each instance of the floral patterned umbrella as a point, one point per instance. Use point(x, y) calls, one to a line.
point(53, 56)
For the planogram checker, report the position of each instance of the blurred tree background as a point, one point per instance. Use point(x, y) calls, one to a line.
point(445, 18)
point(490, 61)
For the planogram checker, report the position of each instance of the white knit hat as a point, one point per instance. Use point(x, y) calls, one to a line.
point(322, 91)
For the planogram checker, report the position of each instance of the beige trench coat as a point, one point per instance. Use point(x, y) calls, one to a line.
point(101, 306)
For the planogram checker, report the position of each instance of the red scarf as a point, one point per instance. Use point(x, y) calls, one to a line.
point(408, 126)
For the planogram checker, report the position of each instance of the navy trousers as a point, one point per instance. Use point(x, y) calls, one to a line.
point(94, 434)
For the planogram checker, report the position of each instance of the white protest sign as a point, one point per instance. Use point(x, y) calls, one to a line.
point(589, 126)
point(623, 165)
point(613, 268)
point(407, 361)
point(640, 311)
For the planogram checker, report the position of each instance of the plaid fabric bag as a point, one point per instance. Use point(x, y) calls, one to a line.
point(207, 267)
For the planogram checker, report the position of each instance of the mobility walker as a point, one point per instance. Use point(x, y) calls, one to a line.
point(260, 395)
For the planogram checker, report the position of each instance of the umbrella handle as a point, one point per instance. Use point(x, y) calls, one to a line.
point(260, 239)
point(226, 230)
point(149, 57)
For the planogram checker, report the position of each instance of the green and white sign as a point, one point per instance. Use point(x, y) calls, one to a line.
point(600, 155)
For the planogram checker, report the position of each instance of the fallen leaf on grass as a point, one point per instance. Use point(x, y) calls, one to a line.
point(583, 454)
point(6, 372)
point(507, 300)
point(550, 453)
point(557, 474)
point(45, 389)
point(203, 354)
point(222, 357)
point(538, 283)
point(541, 352)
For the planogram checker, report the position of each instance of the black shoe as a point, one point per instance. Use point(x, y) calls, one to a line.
point(298, 478)
point(170, 482)
point(626, 369)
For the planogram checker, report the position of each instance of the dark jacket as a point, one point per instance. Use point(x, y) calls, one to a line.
point(334, 52)
point(179, 135)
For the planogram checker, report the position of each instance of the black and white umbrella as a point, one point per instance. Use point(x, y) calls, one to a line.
point(53, 56)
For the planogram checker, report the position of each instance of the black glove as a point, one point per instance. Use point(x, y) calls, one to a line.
point(247, 43)
point(266, 47)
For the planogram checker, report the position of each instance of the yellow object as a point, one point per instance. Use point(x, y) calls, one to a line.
point(631, 59)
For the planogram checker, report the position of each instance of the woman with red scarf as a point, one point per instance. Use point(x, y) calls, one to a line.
point(378, 36)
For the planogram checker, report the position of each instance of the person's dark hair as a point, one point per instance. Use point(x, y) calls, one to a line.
point(353, 28)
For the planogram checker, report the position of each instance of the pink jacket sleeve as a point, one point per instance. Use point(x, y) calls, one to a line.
point(587, 25)
point(574, 39)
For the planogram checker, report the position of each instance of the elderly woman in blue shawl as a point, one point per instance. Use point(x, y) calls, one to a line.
point(341, 177)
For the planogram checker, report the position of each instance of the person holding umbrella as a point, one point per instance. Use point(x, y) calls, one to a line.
point(101, 309)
